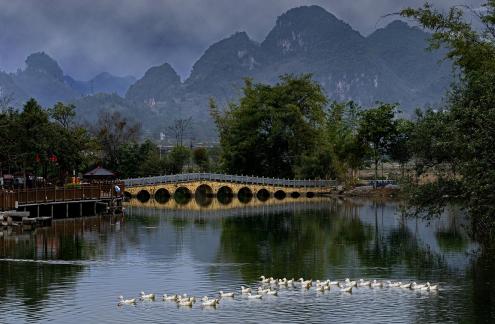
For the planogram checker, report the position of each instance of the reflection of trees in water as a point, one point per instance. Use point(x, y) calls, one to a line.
point(68, 240)
point(314, 243)
point(452, 237)
point(304, 243)
point(32, 282)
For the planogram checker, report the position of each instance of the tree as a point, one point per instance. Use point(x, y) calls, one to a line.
point(179, 129)
point(377, 128)
point(63, 114)
point(347, 151)
point(178, 157)
point(470, 111)
point(113, 131)
point(272, 127)
point(6, 101)
point(400, 148)
point(201, 158)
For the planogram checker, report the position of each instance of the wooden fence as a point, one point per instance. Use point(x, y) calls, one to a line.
point(12, 199)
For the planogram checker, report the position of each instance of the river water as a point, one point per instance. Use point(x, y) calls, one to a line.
point(75, 270)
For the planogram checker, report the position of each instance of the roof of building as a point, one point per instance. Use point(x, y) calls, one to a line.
point(99, 172)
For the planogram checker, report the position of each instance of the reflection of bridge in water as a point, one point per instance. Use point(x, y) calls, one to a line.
point(207, 185)
point(218, 209)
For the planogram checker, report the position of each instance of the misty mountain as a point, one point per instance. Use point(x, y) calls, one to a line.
point(159, 83)
point(102, 83)
point(44, 80)
point(391, 65)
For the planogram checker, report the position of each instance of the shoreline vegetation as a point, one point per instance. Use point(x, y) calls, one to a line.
point(290, 129)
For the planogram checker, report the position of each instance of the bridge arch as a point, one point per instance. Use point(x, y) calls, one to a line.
point(182, 195)
point(204, 189)
point(203, 195)
point(310, 194)
point(245, 195)
point(295, 194)
point(143, 195)
point(280, 194)
point(225, 195)
point(263, 195)
point(162, 195)
point(127, 195)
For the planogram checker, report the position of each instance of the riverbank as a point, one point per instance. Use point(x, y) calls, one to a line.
point(392, 191)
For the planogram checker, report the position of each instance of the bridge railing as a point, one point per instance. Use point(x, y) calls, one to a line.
point(188, 177)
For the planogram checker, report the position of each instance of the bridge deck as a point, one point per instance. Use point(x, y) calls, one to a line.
point(188, 177)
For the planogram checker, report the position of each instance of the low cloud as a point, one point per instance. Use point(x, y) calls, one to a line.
point(127, 36)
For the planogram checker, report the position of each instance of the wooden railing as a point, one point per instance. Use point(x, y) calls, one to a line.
point(11, 199)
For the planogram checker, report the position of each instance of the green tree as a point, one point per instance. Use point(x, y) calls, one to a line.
point(347, 151)
point(201, 158)
point(272, 128)
point(112, 131)
point(63, 114)
point(470, 109)
point(377, 128)
point(177, 158)
point(400, 148)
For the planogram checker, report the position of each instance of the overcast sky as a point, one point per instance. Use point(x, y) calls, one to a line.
point(126, 37)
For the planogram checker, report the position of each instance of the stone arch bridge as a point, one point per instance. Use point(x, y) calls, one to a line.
point(211, 184)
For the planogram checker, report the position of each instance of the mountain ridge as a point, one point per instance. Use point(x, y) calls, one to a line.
point(391, 65)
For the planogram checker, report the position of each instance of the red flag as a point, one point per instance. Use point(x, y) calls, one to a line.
point(37, 158)
point(53, 158)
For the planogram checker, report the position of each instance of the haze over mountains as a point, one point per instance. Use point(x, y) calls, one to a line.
point(389, 65)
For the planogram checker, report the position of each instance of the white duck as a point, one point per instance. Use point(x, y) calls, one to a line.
point(282, 282)
point(185, 302)
point(305, 283)
point(290, 282)
point(272, 292)
point(262, 291)
point(263, 279)
point(346, 289)
point(432, 287)
point(186, 298)
point(257, 296)
point(348, 282)
point(418, 287)
point(245, 290)
point(170, 298)
point(147, 296)
point(376, 284)
point(123, 301)
point(363, 283)
point(333, 283)
point(320, 288)
point(273, 281)
point(394, 284)
point(209, 302)
point(226, 294)
point(406, 286)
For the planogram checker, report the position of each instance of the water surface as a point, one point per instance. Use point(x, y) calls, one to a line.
point(75, 270)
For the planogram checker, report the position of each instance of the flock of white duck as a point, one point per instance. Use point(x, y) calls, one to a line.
point(271, 286)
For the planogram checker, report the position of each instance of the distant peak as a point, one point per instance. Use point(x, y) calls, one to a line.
point(240, 35)
point(161, 71)
point(398, 24)
point(42, 62)
point(237, 38)
point(306, 12)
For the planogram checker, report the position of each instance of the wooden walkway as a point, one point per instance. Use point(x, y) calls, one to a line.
point(18, 198)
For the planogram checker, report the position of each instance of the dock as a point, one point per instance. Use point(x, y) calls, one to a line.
point(30, 208)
